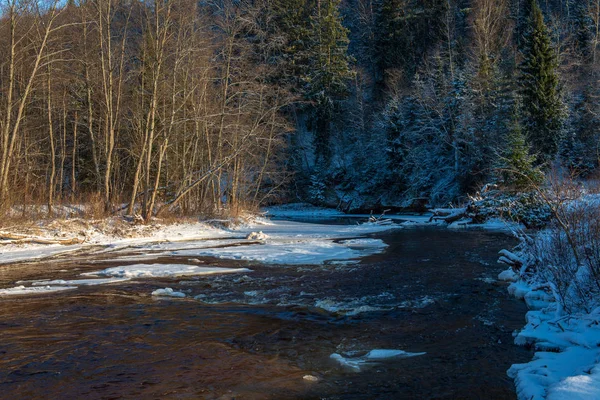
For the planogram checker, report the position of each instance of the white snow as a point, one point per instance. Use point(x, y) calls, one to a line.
point(292, 252)
point(301, 230)
point(198, 235)
point(363, 243)
point(566, 364)
point(257, 236)
point(79, 282)
point(22, 290)
point(508, 276)
point(493, 225)
point(12, 253)
point(167, 292)
point(162, 271)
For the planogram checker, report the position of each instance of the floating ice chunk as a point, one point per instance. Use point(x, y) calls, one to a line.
point(353, 364)
point(364, 243)
point(80, 282)
point(310, 378)
point(167, 292)
point(372, 357)
point(162, 271)
point(257, 236)
point(22, 290)
point(383, 354)
point(347, 308)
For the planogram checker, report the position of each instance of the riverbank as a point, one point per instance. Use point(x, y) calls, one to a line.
point(566, 364)
point(52, 237)
point(555, 272)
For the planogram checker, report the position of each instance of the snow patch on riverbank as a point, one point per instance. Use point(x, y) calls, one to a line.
point(566, 364)
point(195, 235)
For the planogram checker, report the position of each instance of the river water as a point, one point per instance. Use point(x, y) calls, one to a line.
point(257, 335)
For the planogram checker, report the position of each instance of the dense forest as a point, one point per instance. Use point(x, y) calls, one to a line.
point(212, 106)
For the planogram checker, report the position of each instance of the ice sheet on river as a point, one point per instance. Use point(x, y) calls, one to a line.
point(162, 271)
point(80, 282)
point(22, 290)
point(293, 252)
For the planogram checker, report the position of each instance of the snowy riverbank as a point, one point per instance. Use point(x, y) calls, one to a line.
point(284, 242)
point(256, 240)
point(566, 364)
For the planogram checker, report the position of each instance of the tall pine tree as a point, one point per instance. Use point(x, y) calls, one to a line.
point(404, 31)
point(328, 73)
point(542, 105)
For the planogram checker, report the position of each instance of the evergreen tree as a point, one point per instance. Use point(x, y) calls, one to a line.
point(516, 164)
point(542, 106)
point(405, 30)
point(292, 23)
point(328, 73)
point(580, 148)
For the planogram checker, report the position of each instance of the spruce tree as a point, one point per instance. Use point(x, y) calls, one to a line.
point(292, 23)
point(404, 31)
point(516, 164)
point(328, 72)
point(581, 145)
point(542, 106)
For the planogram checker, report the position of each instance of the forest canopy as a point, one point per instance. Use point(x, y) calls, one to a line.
point(213, 106)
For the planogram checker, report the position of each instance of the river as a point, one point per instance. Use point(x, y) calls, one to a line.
point(257, 335)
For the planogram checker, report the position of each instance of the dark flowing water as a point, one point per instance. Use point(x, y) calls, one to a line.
point(256, 335)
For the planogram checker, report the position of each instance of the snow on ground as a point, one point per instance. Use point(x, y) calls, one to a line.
point(494, 224)
point(22, 290)
point(280, 242)
point(306, 243)
point(566, 364)
point(167, 292)
point(373, 357)
point(162, 271)
point(193, 235)
point(13, 253)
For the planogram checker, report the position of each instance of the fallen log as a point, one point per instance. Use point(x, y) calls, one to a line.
point(449, 215)
point(510, 259)
point(11, 238)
